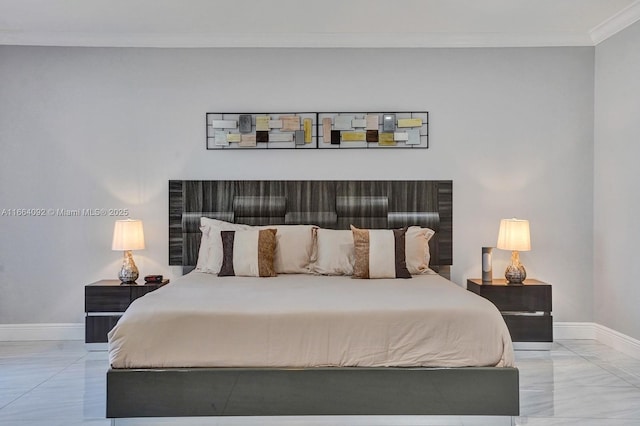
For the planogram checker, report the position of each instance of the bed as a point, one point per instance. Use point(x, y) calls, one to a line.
point(389, 365)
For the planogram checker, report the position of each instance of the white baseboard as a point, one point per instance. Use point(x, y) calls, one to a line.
point(618, 341)
point(574, 331)
point(29, 332)
point(592, 331)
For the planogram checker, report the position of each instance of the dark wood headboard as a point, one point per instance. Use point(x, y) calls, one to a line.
point(329, 204)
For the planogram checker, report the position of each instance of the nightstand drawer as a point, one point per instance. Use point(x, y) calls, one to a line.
point(519, 298)
point(107, 299)
point(530, 328)
point(97, 327)
point(526, 308)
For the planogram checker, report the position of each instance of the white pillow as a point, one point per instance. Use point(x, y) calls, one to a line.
point(417, 250)
point(203, 252)
point(334, 252)
point(295, 244)
point(210, 254)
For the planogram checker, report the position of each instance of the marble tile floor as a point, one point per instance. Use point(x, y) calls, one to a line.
point(578, 382)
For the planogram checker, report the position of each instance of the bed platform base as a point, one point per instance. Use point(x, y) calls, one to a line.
point(472, 391)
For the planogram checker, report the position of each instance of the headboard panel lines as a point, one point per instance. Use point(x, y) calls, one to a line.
point(329, 204)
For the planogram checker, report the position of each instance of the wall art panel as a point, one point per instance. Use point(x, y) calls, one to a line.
point(324, 130)
point(261, 130)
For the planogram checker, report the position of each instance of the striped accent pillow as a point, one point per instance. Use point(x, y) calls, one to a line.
point(248, 253)
point(379, 253)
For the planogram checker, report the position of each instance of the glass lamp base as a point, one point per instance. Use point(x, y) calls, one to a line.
point(129, 271)
point(515, 274)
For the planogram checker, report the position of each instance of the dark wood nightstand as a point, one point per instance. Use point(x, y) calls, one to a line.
point(104, 303)
point(526, 308)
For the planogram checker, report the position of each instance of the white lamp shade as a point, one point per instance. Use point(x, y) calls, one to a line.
point(128, 235)
point(514, 235)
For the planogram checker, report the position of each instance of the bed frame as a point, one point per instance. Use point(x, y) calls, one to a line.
point(181, 392)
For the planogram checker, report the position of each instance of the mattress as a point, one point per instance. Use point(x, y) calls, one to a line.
point(201, 320)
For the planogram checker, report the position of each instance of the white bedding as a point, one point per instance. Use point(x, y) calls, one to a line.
point(201, 320)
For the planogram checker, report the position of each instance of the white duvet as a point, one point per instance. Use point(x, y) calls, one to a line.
point(201, 320)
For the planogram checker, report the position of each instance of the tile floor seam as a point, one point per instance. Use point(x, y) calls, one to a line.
point(25, 393)
point(601, 367)
point(12, 401)
point(622, 378)
point(41, 383)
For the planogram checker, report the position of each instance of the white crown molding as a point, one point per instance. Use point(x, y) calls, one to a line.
point(618, 22)
point(297, 40)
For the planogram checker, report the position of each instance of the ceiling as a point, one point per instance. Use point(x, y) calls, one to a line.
point(313, 23)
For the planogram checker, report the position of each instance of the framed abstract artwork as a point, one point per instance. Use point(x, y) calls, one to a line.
point(317, 130)
point(261, 130)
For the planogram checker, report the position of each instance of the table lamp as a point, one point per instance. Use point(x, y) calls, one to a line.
point(128, 235)
point(514, 235)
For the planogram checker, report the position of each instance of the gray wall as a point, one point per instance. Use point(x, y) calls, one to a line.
point(617, 182)
point(108, 127)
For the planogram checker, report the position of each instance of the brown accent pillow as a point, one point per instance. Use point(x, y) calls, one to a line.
point(248, 253)
point(379, 253)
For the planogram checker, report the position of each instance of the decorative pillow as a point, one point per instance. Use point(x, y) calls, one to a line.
point(210, 254)
point(379, 253)
point(248, 253)
point(294, 248)
point(417, 249)
point(334, 252)
point(203, 252)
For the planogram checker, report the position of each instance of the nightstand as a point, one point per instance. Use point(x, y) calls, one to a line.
point(104, 303)
point(526, 309)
